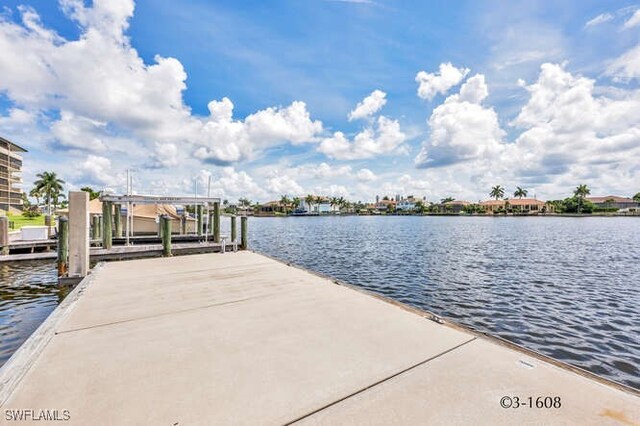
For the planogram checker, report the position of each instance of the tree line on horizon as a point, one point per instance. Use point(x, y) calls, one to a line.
point(49, 188)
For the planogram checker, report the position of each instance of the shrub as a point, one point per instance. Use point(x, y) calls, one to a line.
point(31, 212)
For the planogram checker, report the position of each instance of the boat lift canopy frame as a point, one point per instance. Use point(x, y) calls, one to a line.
point(154, 199)
point(131, 200)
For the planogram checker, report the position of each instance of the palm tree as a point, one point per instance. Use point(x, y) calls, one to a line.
point(636, 197)
point(446, 200)
point(520, 192)
point(497, 192)
point(335, 201)
point(35, 193)
point(319, 200)
point(580, 193)
point(310, 199)
point(50, 186)
point(295, 202)
point(92, 193)
point(55, 197)
point(285, 202)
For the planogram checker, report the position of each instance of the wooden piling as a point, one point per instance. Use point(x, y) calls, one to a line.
point(183, 224)
point(216, 222)
point(233, 229)
point(117, 220)
point(63, 245)
point(107, 235)
point(199, 213)
point(165, 226)
point(4, 235)
point(243, 233)
point(47, 223)
point(94, 227)
point(78, 233)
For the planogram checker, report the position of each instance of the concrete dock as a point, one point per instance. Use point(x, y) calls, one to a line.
point(240, 338)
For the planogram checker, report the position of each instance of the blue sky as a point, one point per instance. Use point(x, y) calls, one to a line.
point(82, 94)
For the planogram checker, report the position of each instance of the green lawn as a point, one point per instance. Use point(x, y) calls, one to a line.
point(20, 221)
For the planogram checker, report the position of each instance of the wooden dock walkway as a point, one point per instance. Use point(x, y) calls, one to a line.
point(243, 339)
point(97, 254)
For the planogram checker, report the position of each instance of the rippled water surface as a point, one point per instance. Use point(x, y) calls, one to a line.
point(566, 287)
point(28, 294)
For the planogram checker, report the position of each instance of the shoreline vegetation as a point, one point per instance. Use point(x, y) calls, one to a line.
point(577, 205)
point(48, 194)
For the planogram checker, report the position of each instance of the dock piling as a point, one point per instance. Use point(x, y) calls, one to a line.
point(117, 220)
point(165, 226)
point(243, 233)
point(107, 235)
point(216, 222)
point(199, 212)
point(94, 227)
point(4, 235)
point(233, 229)
point(78, 233)
point(63, 245)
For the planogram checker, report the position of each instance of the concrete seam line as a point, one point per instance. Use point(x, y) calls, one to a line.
point(163, 314)
point(379, 382)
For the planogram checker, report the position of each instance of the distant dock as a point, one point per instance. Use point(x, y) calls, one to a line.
point(241, 338)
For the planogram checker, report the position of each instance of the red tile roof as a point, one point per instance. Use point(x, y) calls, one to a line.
point(513, 202)
point(525, 202)
point(456, 203)
point(614, 198)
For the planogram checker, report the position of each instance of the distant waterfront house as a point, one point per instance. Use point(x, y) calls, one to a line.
point(455, 206)
point(517, 205)
point(613, 202)
point(271, 207)
point(492, 206)
point(385, 205)
point(10, 168)
point(324, 206)
point(407, 205)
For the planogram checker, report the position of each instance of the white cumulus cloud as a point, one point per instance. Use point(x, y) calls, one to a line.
point(103, 92)
point(365, 175)
point(430, 84)
point(461, 128)
point(383, 138)
point(369, 105)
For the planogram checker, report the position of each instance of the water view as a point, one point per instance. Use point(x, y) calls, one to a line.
point(565, 287)
point(28, 294)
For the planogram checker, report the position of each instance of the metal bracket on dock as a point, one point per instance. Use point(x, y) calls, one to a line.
point(436, 318)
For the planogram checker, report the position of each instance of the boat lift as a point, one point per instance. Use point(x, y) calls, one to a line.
point(132, 200)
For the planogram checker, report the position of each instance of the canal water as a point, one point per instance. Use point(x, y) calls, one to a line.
point(566, 287)
point(28, 294)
